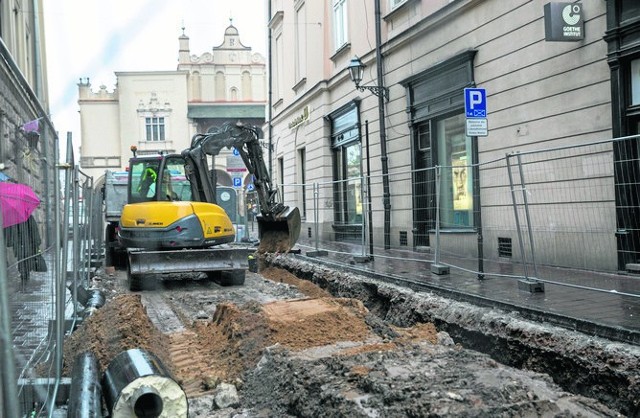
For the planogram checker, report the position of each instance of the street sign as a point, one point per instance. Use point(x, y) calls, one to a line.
point(475, 103)
point(237, 182)
point(477, 127)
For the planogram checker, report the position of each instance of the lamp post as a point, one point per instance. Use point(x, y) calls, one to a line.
point(356, 71)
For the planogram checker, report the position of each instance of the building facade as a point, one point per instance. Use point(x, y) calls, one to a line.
point(27, 134)
point(159, 111)
point(541, 93)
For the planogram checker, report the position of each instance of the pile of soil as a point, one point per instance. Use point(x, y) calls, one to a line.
point(303, 353)
point(279, 275)
point(207, 352)
point(120, 325)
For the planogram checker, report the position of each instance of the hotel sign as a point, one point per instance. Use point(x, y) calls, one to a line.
point(563, 22)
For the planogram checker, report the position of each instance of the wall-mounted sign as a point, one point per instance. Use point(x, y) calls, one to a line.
point(235, 163)
point(475, 109)
point(563, 22)
point(300, 119)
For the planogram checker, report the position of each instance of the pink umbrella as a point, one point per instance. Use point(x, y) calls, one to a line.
point(18, 201)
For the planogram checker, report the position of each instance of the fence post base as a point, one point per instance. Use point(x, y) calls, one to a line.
point(362, 258)
point(439, 269)
point(319, 253)
point(531, 286)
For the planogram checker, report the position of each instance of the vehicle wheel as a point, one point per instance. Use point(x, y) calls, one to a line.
point(232, 277)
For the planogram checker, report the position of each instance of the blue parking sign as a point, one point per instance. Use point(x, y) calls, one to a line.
point(237, 182)
point(475, 103)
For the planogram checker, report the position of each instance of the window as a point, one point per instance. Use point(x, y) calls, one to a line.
point(302, 169)
point(144, 175)
point(278, 56)
point(174, 185)
point(339, 23)
point(347, 159)
point(395, 3)
point(440, 140)
point(155, 129)
point(300, 52)
point(454, 158)
point(635, 82)
point(629, 10)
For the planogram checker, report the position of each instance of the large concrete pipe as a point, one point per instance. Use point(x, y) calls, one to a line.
point(136, 384)
point(85, 394)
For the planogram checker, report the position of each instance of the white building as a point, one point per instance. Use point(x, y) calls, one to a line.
point(159, 111)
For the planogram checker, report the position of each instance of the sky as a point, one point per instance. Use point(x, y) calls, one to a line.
point(96, 38)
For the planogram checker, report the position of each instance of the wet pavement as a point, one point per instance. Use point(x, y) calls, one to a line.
point(599, 304)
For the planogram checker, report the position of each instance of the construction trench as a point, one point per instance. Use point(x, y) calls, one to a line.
point(300, 339)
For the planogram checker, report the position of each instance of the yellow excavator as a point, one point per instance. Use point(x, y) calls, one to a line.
point(173, 223)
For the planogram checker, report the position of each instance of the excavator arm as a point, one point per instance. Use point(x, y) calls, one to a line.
point(278, 225)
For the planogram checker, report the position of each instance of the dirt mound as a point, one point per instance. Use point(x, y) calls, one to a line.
point(280, 275)
point(302, 324)
point(118, 326)
point(208, 352)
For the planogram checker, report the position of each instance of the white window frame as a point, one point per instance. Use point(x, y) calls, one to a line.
point(396, 3)
point(340, 27)
point(158, 128)
point(300, 51)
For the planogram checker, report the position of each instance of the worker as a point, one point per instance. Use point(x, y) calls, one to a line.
point(147, 186)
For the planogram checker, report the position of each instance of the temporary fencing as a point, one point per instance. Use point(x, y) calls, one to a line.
point(41, 278)
point(532, 216)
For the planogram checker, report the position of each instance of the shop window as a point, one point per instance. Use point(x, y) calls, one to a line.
point(347, 164)
point(440, 140)
point(454, 158)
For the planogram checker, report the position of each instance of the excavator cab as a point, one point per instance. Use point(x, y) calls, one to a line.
point(158, 178)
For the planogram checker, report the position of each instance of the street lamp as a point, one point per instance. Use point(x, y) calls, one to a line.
point(356, 71)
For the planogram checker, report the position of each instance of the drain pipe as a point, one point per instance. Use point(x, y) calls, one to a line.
point(137, 384)
point(85, 394)
point(91, 299)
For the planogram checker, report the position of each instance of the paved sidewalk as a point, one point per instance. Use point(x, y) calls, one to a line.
point(606, 305)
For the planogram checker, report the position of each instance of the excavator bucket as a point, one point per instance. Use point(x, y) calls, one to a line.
point(280, 232)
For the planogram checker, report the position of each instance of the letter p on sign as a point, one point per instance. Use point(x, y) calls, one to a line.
point(475, 103)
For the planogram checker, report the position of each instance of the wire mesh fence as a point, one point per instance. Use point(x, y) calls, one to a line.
point(527, 216)
point(40, 278)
